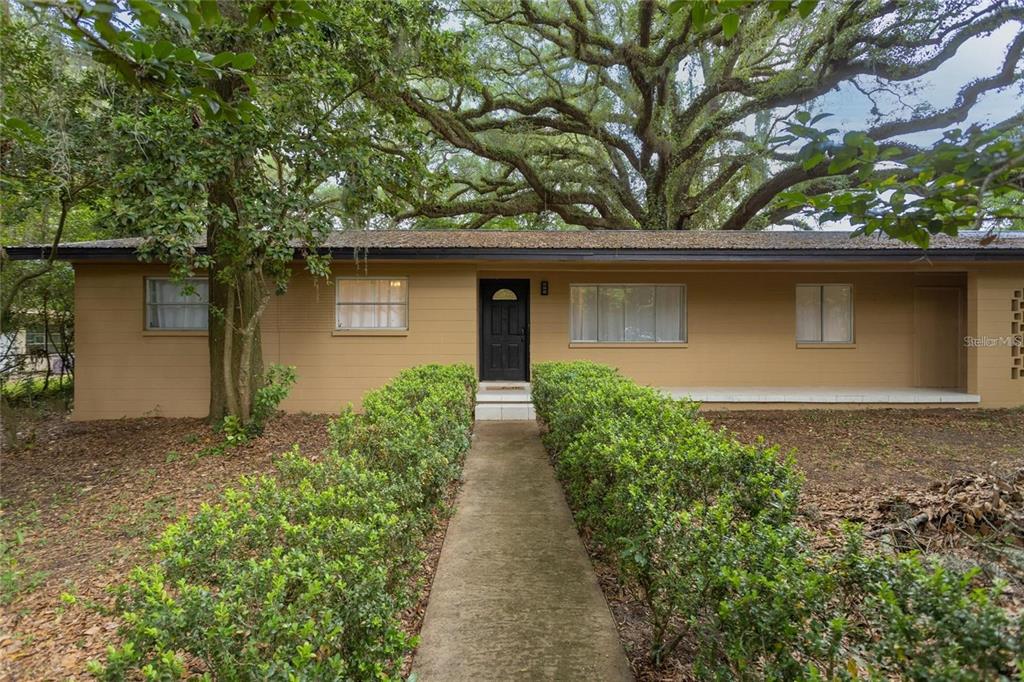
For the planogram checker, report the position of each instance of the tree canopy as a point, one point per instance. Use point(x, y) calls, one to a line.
point(254, 129)
point(660, 115)
point(52, 180)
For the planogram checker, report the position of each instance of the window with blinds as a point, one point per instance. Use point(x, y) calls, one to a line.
point(372, 303)
point(177, 305)
point(824, 313)
point(628, 313)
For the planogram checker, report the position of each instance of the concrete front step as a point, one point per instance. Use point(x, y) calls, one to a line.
point(503, 397)
point(504, 401)
point(490, 412)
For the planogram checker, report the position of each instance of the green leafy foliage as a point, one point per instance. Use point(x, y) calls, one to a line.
point(923, 620)
point(304, 575)
point(276, 385)
point(971, 179)
point(146, 43)
point(52, 176)
point(701, 13)
point(15, 577)
point(280, 126)
point(702, 527)
point(665, 115)
point(32, 390)
point(679, 507)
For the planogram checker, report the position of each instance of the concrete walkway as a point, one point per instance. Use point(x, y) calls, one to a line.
point(515, 596)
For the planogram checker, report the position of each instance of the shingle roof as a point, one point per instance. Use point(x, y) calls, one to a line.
point(603, 244)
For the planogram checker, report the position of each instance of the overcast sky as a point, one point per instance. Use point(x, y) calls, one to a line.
point(978, 57)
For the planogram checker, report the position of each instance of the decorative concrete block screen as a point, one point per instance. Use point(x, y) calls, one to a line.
point(1017, 331)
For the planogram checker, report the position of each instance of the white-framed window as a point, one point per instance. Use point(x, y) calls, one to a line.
point(628, 313)
point(36, 341)
point(173, 305)
point(824, 313)
point(372, 303)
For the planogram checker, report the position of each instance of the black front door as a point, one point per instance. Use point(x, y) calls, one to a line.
point(504, 329)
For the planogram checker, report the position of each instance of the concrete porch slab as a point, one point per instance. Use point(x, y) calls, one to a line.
point(824, 395)
point(498, 401)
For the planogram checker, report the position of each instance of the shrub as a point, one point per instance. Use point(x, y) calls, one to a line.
point(675, 502)
point(702, 526)
point(303, 575)
point(924, 621)
point(416, 424)
point(277, 383)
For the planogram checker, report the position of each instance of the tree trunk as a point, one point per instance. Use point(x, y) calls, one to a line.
point(7, 302)
point(236, 353)
point(46, 342)
point(237, 301)
point(237, 292)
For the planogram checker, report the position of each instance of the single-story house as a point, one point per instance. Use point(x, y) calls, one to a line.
point(736, 319)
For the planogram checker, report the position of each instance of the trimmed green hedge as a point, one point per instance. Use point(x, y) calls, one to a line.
point(304, 575)
point(701, 526)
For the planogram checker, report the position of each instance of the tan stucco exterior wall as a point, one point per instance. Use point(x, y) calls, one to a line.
point(742, 329)
point(335, 370)
point(990, 295)
point(740, 321)
point(125, 371)
point(121, 371)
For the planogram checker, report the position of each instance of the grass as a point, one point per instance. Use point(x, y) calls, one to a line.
point(23, 392)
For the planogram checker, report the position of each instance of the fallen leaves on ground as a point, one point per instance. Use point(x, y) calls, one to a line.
point(82, 500)
point(412, 617)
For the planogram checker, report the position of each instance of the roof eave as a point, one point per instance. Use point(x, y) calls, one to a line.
point(128, 254)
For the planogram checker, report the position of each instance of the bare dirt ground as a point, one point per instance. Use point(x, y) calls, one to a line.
point(880, 468)
point(943, 481)
point(82, 500)
point(872, 450)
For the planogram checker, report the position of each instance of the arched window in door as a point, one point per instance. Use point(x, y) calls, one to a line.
point(504, 295)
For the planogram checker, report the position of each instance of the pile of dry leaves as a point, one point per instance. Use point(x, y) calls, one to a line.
point(980, 504)
point(967, 522)
point(938, 516)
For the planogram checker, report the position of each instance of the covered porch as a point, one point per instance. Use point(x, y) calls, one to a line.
point(828, 395)
point(510, 401)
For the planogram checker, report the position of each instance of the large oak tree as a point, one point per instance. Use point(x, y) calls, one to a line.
point(622, 114)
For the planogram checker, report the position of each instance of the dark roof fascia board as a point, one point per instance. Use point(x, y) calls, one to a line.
point(116, 254)
point(683, 255)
